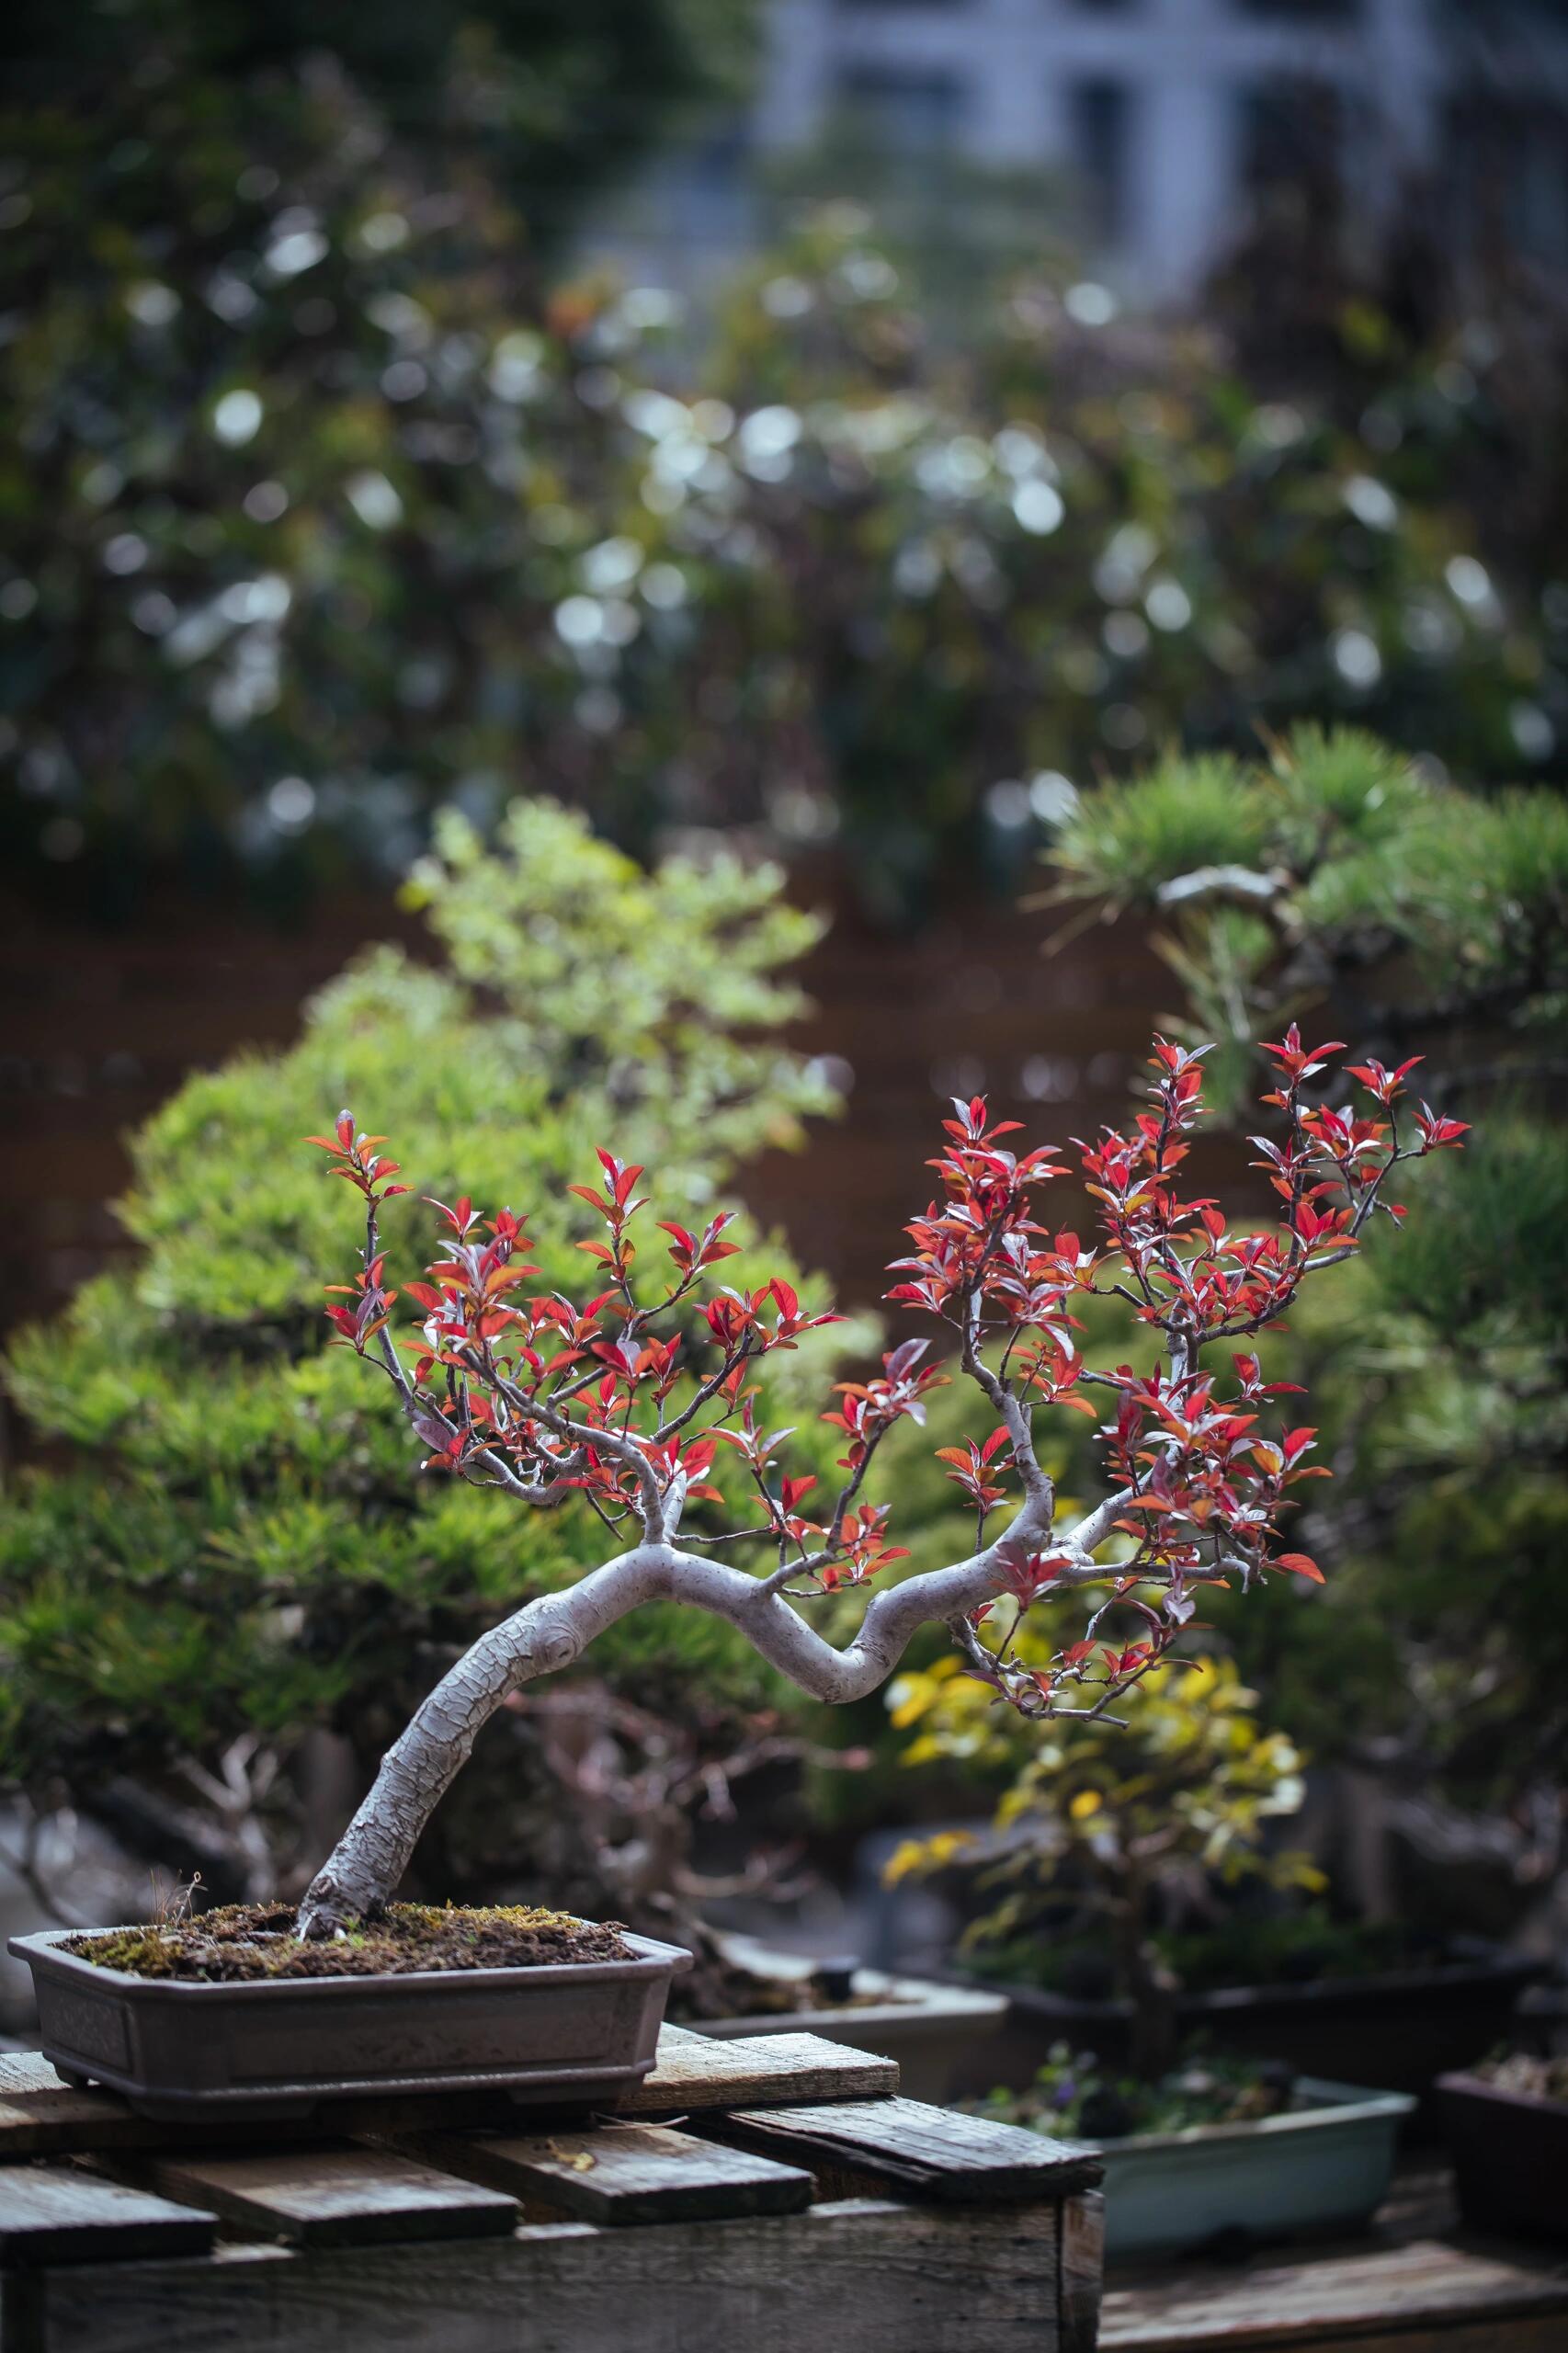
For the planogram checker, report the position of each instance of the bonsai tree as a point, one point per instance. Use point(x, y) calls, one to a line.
point(1112, 1825)
point(628, 1398)
point(219, 1599)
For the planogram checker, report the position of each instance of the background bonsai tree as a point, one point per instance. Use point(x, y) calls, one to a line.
point(218, 1598)
point(628, 1397)
point(1108, 1835)
point(1334, 874)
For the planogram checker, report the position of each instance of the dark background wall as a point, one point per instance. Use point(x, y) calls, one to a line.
point(102, 1025)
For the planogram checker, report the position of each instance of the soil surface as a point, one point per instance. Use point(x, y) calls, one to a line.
point(257, 1940)
point(721, 1988)
point(1527, 2071)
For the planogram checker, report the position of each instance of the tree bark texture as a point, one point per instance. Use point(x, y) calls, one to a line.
point(368, 1860)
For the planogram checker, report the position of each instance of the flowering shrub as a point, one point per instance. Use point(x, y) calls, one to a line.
point(630, 1396)
point(1104, 1835)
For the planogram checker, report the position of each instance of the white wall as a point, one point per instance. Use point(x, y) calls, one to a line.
point(1185, 66)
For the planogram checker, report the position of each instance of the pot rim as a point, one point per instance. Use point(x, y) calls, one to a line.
point(1330, 2103)
point(1389, 1986)
point(1461, 2085)
point(650, 1959)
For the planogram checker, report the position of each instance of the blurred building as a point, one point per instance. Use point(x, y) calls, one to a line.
point(1159, 127)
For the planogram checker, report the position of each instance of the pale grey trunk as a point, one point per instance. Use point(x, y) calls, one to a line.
point(366, 1865)
point(370, 1858)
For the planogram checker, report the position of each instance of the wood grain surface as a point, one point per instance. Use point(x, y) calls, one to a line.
point(625, 2173)
point(924, 2152)
point(41, 2116)
point(51, 2214)
point(870, 2275)
point(327, 2195)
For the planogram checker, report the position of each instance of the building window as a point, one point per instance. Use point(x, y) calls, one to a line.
point(906, 108)
point(1098, 113)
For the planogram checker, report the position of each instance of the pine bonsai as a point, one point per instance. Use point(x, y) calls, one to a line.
point(220, 1596)
point(627, 1400)
point(1336, 874)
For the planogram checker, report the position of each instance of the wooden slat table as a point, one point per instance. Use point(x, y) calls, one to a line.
point(766, 2196)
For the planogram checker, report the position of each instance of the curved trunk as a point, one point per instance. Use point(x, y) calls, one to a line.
point(364, 1867)
point(370, 1858)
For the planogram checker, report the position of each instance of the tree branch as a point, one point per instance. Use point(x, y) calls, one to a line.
point(552, 1631)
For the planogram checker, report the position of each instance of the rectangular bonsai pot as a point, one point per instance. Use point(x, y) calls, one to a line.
point(1510, 2154)
point(1322, 2166)
point(566, 2032)
point(937, 2033)
point(1401, 2029)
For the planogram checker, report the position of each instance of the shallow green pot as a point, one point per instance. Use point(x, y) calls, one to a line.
point(1323, 2166)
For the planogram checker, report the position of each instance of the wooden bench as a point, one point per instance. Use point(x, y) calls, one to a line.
point(768, 2196)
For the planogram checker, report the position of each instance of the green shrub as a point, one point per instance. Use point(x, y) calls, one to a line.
point(1433, 919)
point(237, 1556)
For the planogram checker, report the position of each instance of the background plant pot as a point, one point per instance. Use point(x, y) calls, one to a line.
point(940, 2034)
point(1322, 2167)
point(1510, 2152)
point(1403, 2028)
point(281, 2046)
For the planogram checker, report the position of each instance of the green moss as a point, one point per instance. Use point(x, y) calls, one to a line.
point(242, 1943)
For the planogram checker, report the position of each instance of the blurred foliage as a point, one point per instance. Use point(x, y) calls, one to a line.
point(1106, 1822)
point(238, 1548)
point(320, 512)
point(975, 571)
point(284, 535)
point(958, 229)
point(1299, 1944)
point(551, 97)
point(1339, 882)
point(1073, 2096)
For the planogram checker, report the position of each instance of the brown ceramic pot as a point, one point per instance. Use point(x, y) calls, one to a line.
point(564, 2032)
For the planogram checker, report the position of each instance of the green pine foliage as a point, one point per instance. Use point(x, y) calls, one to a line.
point(240, 1546)
point(1347, 887)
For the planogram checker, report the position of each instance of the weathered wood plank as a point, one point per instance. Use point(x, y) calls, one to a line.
point(1082, 2272)
point(626, 2172)
point(875, 2276)
point(330, 2194)
point(26, 2070)
point(1362, 2298)
point(695, 2071)
point(924, 2152)
point(53, 2214)
point(1441, 2333)
point(40, 2116)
